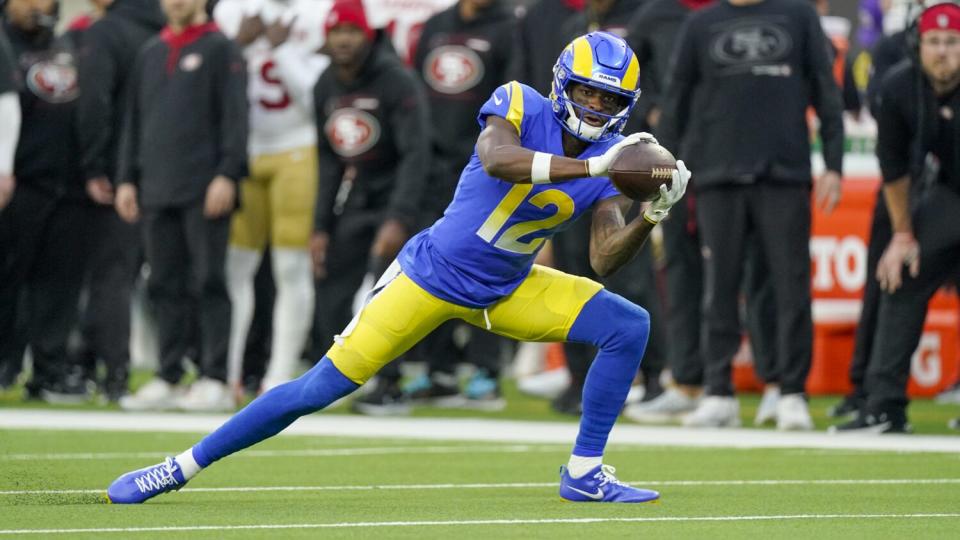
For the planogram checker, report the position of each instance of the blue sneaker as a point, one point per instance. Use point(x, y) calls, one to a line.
point(600, 485)
point(138, 486)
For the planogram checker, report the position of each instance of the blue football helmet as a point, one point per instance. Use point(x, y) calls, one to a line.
point(603, 61)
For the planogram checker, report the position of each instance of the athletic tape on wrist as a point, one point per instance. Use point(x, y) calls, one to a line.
point(540, 168)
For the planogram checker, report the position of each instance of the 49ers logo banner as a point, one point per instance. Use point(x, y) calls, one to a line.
point(452, 69)
point(54, 80)
point(352, 132)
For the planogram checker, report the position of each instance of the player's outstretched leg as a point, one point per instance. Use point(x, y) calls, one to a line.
point(264, 417)
point(619, 329)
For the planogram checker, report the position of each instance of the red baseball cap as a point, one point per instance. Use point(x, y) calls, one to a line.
point(348, 12)
point(944, 16)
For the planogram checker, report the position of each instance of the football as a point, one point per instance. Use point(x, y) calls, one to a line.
point(640, 170)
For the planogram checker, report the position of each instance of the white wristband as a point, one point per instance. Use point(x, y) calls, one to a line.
point(540, 168)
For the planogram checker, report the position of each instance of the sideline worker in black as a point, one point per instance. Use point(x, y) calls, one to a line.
point(918, 145)
point(184, 150)
point(745, 72)
point(43, 227)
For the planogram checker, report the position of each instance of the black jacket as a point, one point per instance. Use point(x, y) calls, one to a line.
point(888, 52)
point(461, 64)
point(109, 50)
point(47, 155)
point(652, 34)
point(374, 128)
point(540, 42)
point(187, 117)
point(912, 123)
point(743, 76)
point(9, 74)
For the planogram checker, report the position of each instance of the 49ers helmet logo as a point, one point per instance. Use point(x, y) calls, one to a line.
point(352, 132)
point(452, 69)
point(54, 80)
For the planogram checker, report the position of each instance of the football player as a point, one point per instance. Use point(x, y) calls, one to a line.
point(280, 40)
point(539, 164)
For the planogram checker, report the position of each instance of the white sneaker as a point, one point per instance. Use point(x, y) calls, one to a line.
point(715, 411)
point(546, 384)
point(793, 414)
point(667, 407)
point(156, 395)
point(950, 396)
point(207, 395)
point(767, 411)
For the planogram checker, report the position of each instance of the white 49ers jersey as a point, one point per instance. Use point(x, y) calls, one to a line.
point(281, 79)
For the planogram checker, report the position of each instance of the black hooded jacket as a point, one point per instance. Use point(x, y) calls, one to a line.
point(373, 133)
point(109, 50)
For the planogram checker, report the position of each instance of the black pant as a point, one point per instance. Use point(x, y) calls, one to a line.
point(112, 270)
point(440, 351)
point(187, 253)
point(635, 282)
point(42, 255)
point(684, 298)
point(902, 313)
point(880, 235)
point(778, 215)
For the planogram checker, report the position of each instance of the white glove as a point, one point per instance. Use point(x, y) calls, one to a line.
point(598, 165)
point(660, 207)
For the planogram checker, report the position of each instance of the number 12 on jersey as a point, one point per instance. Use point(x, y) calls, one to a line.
point(510, 239)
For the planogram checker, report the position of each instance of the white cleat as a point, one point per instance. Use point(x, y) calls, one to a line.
point(715, 411)
point(546, 384)
point(156, 395)
point(793, 414)
point(668, 407)
point(207, 395)
point(767, 411)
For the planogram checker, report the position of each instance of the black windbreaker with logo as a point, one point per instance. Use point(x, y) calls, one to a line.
point(48, 152)
point(461, 64)
point(373, 132)
point(736, 102)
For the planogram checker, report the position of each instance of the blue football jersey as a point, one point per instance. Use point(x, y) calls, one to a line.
point(485, 243)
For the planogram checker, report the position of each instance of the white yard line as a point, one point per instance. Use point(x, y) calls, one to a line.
point(520, 485)
point(473, 522)
point(471, 429)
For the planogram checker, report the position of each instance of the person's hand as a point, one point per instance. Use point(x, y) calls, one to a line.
point(8, 183)
point(389, 240)
point(598, 165)
point(278, 33)
point(826, 191)
point(653, 117)
point(100, 190)
point(126, 203)
point(660, 207)
point(251, 27)
point(319, 243)
point(221, 197)
point(903, 250)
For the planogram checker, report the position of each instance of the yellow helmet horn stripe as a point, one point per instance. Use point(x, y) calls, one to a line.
point(629, 82)
point(582, 58)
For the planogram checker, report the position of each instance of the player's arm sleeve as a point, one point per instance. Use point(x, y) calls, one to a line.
point(893, 133)
point(824, 92)
point(228, 15)
point(234, 113)
point(678, 91)
point(515, 103)
point(10, 134)
point(128, 169)
point(97, 106)
point(330, 169)
point(409, 123)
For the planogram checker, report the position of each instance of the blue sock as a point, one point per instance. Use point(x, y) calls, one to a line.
point(619, 329)
point(272, 412)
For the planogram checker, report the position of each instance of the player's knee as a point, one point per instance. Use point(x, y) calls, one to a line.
point(629, 326)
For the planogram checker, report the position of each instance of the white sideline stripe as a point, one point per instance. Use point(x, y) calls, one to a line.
point(318, 452)
point(519, 485)
point(362, 524)
point(474, 429)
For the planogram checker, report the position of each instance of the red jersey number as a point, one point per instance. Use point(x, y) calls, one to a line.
point(268, 76)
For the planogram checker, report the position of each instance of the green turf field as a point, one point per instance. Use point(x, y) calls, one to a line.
point(307, 487)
